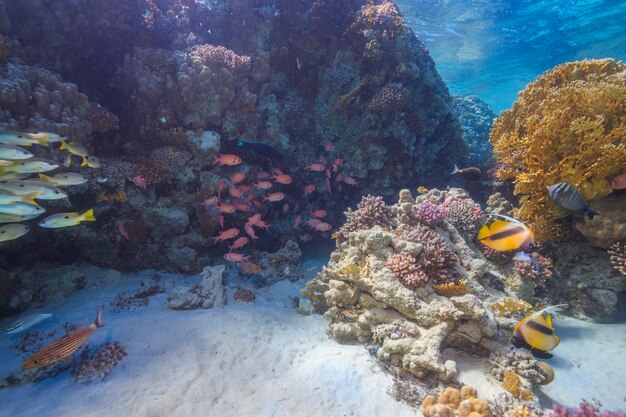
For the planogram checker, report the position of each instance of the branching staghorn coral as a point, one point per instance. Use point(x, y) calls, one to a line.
point(566, 126)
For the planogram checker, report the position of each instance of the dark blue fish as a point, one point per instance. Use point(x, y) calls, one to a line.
point(568, 197)
point(261, 149)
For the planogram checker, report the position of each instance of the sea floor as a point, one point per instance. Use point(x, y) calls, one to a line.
point(264, 359)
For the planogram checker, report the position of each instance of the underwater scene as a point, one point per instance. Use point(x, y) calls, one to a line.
point(312, 208)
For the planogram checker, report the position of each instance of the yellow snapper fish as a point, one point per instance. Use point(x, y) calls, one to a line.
point(12, 176)
point(7, 197)
point(12, 231)
point(43, 190)
point(91, 162)
point(8, 137)
point(14, 152)
point(21, 209)
point(67, 161)
point(6, 162)
point(29, 166)
point(64, 179)
point(15, 218)
point(67, 219)
point(77, 149)
point(536, 333)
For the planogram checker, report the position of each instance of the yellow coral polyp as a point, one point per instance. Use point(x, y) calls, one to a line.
point(508, 306)
point(569, 125)
point(452, 289)
point(512, 383)
point(351, 270)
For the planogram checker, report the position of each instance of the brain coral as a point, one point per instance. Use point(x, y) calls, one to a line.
point(569, 125)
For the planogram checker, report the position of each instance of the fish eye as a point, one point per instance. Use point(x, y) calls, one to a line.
point(20, 136)
point(4, 231)
point(21, 185)
point(56, 191)
point(66, 217)
point(35, 132)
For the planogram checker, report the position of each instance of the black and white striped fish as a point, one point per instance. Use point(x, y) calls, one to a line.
point(26, 322)
point(568, 197)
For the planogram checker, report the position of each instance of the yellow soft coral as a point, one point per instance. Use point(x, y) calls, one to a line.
point(512, 383)
point(510, 306)
point(569, 125)
point(452, 289)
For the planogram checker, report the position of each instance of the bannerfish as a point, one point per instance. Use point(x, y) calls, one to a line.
point(29, 166)
point(27, 322)
point(64, 179)
point(67, 219)
point(261, 149)
point(12, 231)
point(506, 235)
point(536, 333)
point(14, 152)
point(64, 347)
point(44, 191)
point(470, 173)
point(568, 197)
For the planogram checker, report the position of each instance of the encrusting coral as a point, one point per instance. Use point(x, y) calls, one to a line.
point(566, 126)
point(456, 403)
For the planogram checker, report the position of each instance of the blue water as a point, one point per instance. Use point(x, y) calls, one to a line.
point(493, 48)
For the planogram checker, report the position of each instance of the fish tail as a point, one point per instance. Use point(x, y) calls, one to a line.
point(590, 213)
point(98, 322)
point(63, 145)
point(30, 198)
point(84, 162)
point(43, 141)
point(3, 170)
point(483, 233)
point(88, 216)
point(455, 170)
point(44, 178)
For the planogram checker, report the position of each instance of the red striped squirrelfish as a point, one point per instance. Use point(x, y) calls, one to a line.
point(64, 347)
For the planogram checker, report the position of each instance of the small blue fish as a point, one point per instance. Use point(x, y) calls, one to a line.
point(261, 149)
point(27, 322)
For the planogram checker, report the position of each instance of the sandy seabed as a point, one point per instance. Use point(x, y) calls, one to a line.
point(264, 359)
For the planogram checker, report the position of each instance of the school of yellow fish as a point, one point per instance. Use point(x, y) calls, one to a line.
point(23, 182)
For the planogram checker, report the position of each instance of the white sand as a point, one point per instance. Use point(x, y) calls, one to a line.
point(264, 359)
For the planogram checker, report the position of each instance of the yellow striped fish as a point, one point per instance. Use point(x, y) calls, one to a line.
point(536, 333)
point(506, 235)
point(64, 347)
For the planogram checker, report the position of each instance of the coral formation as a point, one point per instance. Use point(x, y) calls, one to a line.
point(243, 295)
point(207, 293)
point(476, 118)
point(584, 409)
point(456, 403)
point(617, 253)
point(407, 271)
point(566, 126)
point(371, 211)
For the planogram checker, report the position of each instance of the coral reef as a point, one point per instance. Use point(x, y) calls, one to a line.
point(456, 403)
point(584, 409)
point(279, 265)
point(135, 299)
point(476, 118)
point(566, 126)
point(371, 211)
point(99, 364)
point(209, 292)
point(617, 253)
point(243, 295)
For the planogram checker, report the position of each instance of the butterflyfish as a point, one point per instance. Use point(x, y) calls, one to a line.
point(536, 333)
point(64, 347)
point(506, 235)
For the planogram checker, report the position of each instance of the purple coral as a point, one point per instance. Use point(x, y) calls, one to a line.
point(218, 56)
point(463, 213)
point(583, 410)
point(371, 211)
point(404, 266)
point(436, 260)
point(430, 214)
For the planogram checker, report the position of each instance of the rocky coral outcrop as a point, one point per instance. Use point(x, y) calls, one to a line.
point(207, 293)
point(476, 119)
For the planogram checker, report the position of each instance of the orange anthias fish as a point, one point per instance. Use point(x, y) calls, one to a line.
point(236, 257)
point(250, 231)
point(319, 213)
point(64, 347)
point(329, 147)
point(536, 333)
point(237, 177)
point(316, 167)
point(210, 201)
point(226, 234)
point(274, 197)
point(121, 228)
point(350, 181)
point(227, 159)
point(249, 268)
point(240, 242)
point(226, 208)
point(282, 179)
point(236, 192)
point(308, 189)
point(140, 182)
point(263, 185)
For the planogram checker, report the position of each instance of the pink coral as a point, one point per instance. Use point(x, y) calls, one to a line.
point(583, 410)
point(436, 260)
point(463, 213)
point(407, 270)
point(430, 214)
point(218, 56)
point(370, 212)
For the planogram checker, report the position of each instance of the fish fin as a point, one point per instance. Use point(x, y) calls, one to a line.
point(590, 213)
point(44, 178)
point(63, 145)
point(548, 320)
point(455, 170)
point(43, 142)
point(484, 232)
point(82, 164)
point(67, 358)
point(30, 198)
point(556, 341)
point(88, 216)
point(523, 257)
point(538, 353)
point(3, 170)
point(507, 218)
point(98, 322)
